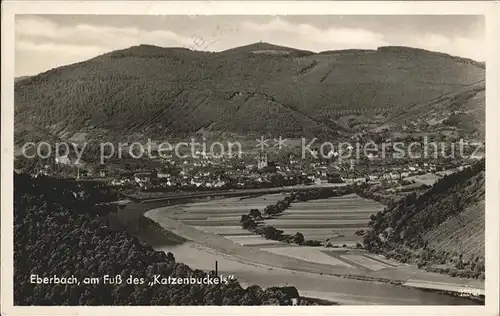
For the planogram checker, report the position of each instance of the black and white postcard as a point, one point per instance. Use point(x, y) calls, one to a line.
point(338, 157)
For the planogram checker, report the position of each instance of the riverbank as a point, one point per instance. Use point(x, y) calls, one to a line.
point(344, 291)
point(302, 274)
point(254, 257)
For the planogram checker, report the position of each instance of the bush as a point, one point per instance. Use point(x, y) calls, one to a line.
point(312, 243)
point(269, 232)
point(298, 238)
point(255, 213)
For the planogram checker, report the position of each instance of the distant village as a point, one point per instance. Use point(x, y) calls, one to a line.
point(208, 172)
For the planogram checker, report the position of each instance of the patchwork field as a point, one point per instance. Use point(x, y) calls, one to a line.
point(311, 254)
point(252, 240)
point(333, 221)
point(222, 217)
point(366, 262)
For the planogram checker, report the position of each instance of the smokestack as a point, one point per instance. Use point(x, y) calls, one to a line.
point(216, 268)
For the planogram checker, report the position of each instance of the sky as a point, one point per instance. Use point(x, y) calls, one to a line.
point(43, 42)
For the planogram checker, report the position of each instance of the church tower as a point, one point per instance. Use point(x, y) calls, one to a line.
point(262, 160)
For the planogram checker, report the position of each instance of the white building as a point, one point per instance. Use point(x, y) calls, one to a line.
point(65, 160)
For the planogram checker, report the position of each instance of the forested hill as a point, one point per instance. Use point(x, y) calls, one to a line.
point(58, 231)
point(20, 78)
point(463, 109)
point(155, 91)
point(441, 229)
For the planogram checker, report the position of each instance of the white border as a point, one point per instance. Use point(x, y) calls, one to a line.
point(489, 9)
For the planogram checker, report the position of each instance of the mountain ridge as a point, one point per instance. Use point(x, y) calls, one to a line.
point(250, 89)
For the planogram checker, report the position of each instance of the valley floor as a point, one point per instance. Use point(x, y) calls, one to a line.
point(213, 227)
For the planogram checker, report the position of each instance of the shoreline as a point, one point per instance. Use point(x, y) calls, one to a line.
point(201, 238)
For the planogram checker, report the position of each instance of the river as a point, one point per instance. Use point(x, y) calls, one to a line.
point(343, 291)
point(340, 290)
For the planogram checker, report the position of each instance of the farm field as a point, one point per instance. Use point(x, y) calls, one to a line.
point(428, 178)
point(366, 262)
point(311, 254)
point(222, 217)
point(334, 221)
point(382, 259)
point(251, 240)
point(225, 230)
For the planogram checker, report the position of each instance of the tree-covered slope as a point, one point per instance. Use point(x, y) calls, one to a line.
point(463, 109)
point(441, 229)
point(158, 91)
point(58, 231)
